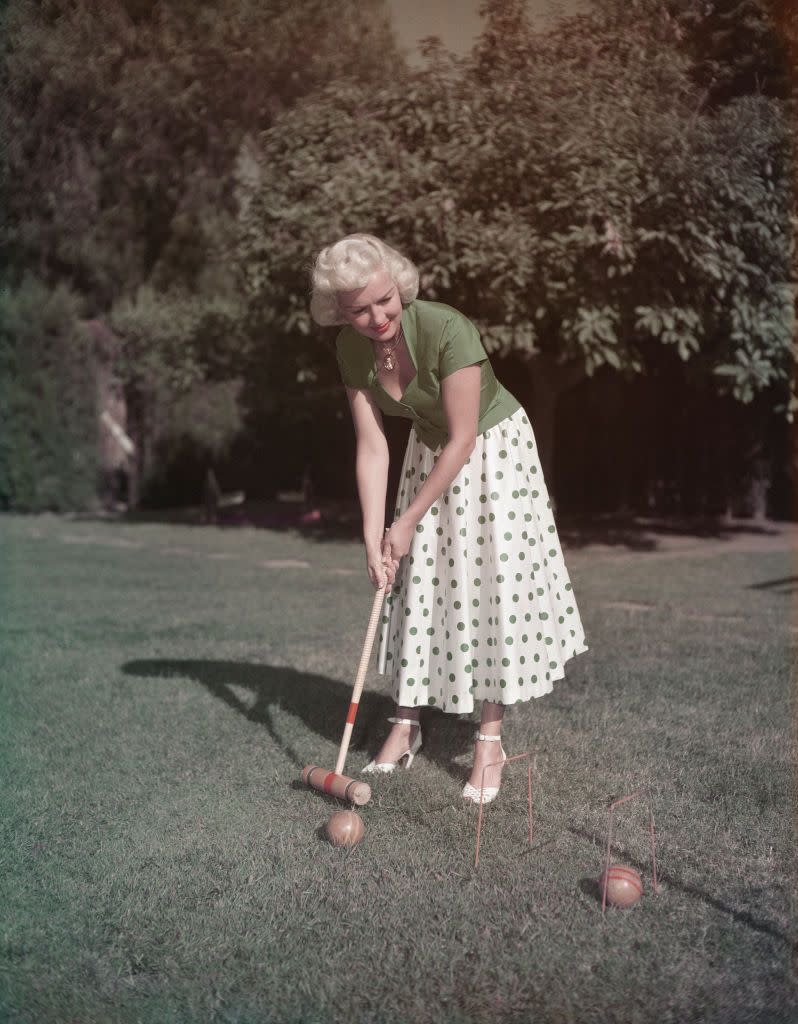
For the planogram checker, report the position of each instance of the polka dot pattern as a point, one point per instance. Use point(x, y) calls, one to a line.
point(482, 607)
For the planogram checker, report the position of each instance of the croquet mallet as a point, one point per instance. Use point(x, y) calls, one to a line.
point(336, 783)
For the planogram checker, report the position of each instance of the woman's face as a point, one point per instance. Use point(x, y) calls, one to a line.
point(375, 310)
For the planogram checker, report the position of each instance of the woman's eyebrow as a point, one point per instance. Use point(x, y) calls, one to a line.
point(353, 309)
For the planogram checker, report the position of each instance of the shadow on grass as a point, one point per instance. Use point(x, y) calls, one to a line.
point(318, 701)
point(591, 887)
point(784, 585)
point(643, 533)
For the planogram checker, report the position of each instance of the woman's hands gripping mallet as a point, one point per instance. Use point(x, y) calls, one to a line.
point(396, 543)
point(381, 569)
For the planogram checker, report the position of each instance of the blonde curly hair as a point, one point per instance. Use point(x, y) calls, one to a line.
point(349, 264)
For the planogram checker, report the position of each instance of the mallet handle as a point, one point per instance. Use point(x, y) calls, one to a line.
point(360, 678)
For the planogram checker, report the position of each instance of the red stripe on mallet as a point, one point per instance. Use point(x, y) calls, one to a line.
point(328, 781)
point(350, 718)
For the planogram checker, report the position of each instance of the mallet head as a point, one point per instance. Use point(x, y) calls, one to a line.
point(342, 786)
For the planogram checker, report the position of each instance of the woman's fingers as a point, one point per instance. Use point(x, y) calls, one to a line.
point(382, 568)
point(391, 566)
point(383, 573)
point(377, 572)
point(389, 559)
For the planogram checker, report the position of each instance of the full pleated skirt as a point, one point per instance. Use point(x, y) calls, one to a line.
point(482, 607)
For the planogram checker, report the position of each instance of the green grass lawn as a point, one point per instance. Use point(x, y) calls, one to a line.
point(162, 686)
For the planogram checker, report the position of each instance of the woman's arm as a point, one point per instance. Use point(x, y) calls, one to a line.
point(371, 469)
point(460, 395)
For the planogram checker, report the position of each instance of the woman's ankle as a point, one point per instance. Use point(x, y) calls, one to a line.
point(407, 714)
point(491, 719)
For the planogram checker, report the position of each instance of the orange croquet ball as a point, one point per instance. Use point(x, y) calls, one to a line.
point(345, 828)
point(624, 885)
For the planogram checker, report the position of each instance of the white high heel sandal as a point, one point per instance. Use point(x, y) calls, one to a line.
point(488, 793)
point(386, 767)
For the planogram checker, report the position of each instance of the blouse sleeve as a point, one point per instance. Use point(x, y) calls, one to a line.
point(460, 346)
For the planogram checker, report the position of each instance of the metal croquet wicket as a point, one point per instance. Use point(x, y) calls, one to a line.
point(613, 805)
point(515, 757)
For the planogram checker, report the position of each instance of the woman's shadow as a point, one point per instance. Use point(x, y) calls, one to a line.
point(319, 701)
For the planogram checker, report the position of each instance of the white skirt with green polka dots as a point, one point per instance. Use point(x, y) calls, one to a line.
point(482, 607)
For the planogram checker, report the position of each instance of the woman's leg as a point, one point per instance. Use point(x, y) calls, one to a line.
point(399, 738)
point(487, 751)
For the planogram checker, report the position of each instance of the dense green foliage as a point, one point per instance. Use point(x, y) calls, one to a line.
point(609, 194)
point(48, 432)
point(565, 191)
point(120, 127)
point(570, 189)
point(736, 46)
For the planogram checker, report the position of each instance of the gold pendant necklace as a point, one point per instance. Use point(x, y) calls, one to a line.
point(388, 361)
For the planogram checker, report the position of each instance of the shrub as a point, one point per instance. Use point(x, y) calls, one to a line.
point(48, 425)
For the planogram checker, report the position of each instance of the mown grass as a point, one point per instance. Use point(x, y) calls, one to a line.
point(162, 687)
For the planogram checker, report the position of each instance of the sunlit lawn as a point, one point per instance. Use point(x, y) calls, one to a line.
point(162, 687)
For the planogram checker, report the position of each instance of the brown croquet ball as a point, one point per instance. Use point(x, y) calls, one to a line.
point(624, 885)
point(345, 828)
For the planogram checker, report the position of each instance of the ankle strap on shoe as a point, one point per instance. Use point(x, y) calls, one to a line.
point(484, 736)
point(403, 721)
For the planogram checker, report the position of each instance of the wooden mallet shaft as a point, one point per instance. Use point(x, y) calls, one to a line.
point(335, 782)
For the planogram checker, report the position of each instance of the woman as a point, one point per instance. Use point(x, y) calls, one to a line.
point(481, 606)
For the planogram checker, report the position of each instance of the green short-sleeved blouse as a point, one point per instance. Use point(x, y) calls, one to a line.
point(440, 340)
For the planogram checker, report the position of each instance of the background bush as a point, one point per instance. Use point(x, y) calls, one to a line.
point(48, 414)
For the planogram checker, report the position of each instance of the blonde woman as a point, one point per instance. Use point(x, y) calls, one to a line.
point(481, 606)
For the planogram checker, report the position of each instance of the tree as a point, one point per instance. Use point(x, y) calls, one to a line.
point(120, 129)
point(120, 124)
point(563, 188)
point(735, 46)
point(48, 433)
